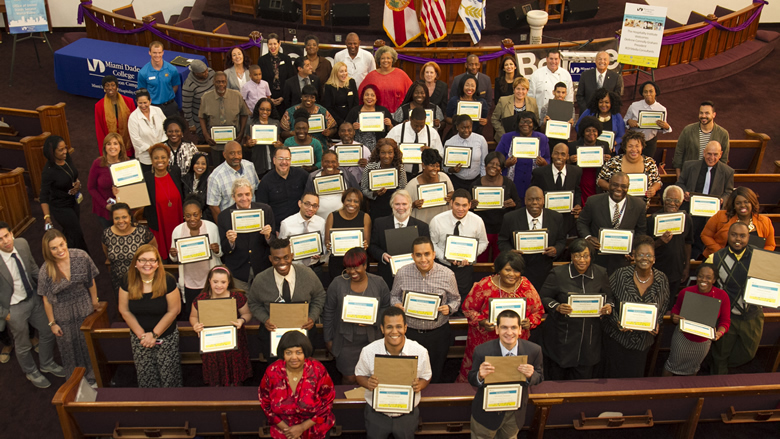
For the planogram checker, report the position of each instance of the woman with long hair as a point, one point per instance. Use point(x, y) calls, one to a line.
point(340, 93)
point(236, 68)
point(418, 97)
point(605, 107)
point(505, 80)
point(468, 90)
point(370, 103)
point(100, 183)
point(264, 113)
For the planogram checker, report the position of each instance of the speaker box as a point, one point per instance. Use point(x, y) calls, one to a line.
point(514, 17)
point(281, 10)
point(580, 9)
point(352, 14)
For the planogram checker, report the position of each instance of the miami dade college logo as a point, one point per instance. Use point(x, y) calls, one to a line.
point(96, 65)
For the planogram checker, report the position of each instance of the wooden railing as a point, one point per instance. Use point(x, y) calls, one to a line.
point(14, 201)
point(33, 157)
point(52, 118)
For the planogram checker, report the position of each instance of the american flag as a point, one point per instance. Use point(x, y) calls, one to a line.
point(435, 18)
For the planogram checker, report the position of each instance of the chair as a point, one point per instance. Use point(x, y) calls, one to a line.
point(316, 10)
point(555, 9)
point(126, 11)
point(221, 29)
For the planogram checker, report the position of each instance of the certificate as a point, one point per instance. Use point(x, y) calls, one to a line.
point(277, 334)
point(245, 221)
point(217, 339)
point(616, 241)
point(609, 137)
point(637, 184)
point(762, 292)
point(557, 129)
point(124, 173)
point(561, 202)
point(342, 240)
point(673, 223)
point(585, 306)
point(329, 184)
point(390, 398)
point(455, 155)
point(422, 305)
point(411, 153)
point(531, 242)
point(223, 134)
point(472, 109)
point(398, 261)
point(316, 123)
point(525, 147)
point(638, 316)
point(647, 119)
point(489, 197)
point(373, 121)
point(428, 117)
point(699, 329)
point(702, 205)
point(265, 134)
point(306, 245)
point(460, 248)
point(193, 249)
point(502, 397)
point(349, 155)
point(301, 156)
point(590, 156)
point(379, 179)
point(359, 309)
point(432, 194)
point(502, 304)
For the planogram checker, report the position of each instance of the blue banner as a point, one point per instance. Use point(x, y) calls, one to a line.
point(26, 16)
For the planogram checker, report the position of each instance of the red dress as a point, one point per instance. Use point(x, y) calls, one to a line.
point(228, 368)
point(476, 307)
point(167, 217)
point(313, 399)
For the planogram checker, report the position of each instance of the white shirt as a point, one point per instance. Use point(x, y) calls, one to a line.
point(401, 224)
point(621, 207)
point(279, 279)
point(294, 225)
point(195, 274)
point(555, 174)
point(422, 137)
point(357, 67)
point(479, 149)
point(539, 218)
point(19, 291)
point(633, 113)
point(443, 224)
point(543, 84)
point(146, 132)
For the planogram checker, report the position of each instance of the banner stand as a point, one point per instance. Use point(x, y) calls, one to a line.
point(33, 37)
point(639, 70)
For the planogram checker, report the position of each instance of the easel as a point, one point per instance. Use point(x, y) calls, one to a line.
point(31, 36)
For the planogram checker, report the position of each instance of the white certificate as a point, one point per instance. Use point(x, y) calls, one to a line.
point(432, 194)
point(585, 306)
point(316, 123)
point(590, 156)
point(561, 202)
point(455, 155)
point(502, 397)
point(124, 173)
point(638, 316)
point(616, 241)
point(372, 121)
point(421, 305)
point(762, 293)
point(390, 398)
point(525, 147)
point(702, 205)
point(428, 117)
point(460, 248)
point(277, 334)
point(699, 329)
point(349, 155)
point(637, 184)
point(217, 339)
point(222, 135)
point(342, 240)
point(516, 304)
point(301, 156)
point(359, 309)
point(673, 223)
point(609, 137)
point(411, 153)
point(647, 119)
point(489, 197)
point(306, 245)
point(398, 261)
point(265, 134)
point(379, 179)
point(531, 242)
point(193, 249)
point(557, 129)
point(473, 109)
point(329, 184)
point(245, 221)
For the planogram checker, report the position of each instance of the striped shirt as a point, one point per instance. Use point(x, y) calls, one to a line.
point(440, 281)
point(220, 187)
point(704, 139)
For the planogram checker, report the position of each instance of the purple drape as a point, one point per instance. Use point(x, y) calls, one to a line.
point(691, 34)
point(482, 58)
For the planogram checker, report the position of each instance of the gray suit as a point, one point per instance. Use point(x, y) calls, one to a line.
point(722, 180)
point(588, 85)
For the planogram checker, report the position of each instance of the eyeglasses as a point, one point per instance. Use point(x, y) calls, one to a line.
point(147, 261)
point(283, 159)
point(644, 256)
point(310, 205)
point(525, 122)
point(580, 257)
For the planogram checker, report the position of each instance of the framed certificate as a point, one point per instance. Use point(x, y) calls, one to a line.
point(489, 197)
point(125, 173)
point(223, 135)
point(359, 309)
point(616, 241)
point(561, 202)
point(316, 123)
point(638, 316)
point(373, 121)
point(301, 156)
point(502, 304)
point(647, 119)
point(411, 153)
point(531, 242)
point(590, 156)
point(455, 155)
point(609, 137)
point(306, 245)
point(379, 179)
point(673, 223)
point(473, 109)
point(432, 194)
point(329, 184)
point(762, 292)
point(398, 261)
point(349, 155)
point(341, 240)
point(460, 248)
point(391, 398)
point(218, 339)
point(637, 184)
point(277, 334)
point(557, 129)
point(502, 397)
point(525, 147)
point(428, 117)
point(423, 306)
point(699, 329)
point(265, 134)
point(702, 205)
point(245, 221)
point(193, 249)
point(585, 306)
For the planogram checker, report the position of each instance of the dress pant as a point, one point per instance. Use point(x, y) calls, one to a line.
point(31, 311)
point(621, 362)
point(69, 218)
point(381, 426)
point(459, 183)
point(740, 344)
point(554, 372)
point(507, 430)
point(464, 276)
point(170, 108)
point(437, 341)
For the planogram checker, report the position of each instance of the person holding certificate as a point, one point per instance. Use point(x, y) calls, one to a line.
point(673, 250)
point(330, 201)
point(626, 349)
point(519, 169)
point(431, 166)
point(302, 137)
point(100, 183)
point(412, 133)
point(508, 106)
point(493, 218)
point(632, 162)
point(165, 192)
point(572, 339)
point(309, 103)
point(369, 135)
point(386, 156)
point(224, 108)
point(345, 340)
point(232, 367)
point(305, 222)
point(607, 114)
point(348, 217)
point(418, 97)
point(655, 116)
point(742, 206)
point(347, 138)
point(462, 175)
point(588, 132)
point(468, 93)
point(262, 152)
point(121, 241)
point(196, 181)
point(560, 176)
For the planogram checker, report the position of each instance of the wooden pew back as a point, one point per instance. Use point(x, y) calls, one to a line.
point(745, 155)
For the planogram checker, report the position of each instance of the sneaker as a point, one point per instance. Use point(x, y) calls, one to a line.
point(55, 370)
point(38, 380)
point(5, 355)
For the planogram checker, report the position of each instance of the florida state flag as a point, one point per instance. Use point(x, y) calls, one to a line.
point(400, 21)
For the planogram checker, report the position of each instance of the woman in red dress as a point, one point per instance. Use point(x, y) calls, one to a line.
point(165, 194)
point(508, 282)
point(227, 368)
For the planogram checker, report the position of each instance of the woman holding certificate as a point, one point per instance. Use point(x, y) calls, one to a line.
point(376, 124)
point(418, 97)
point(386, 155)
point(303, 138)
point(391, 83)
point(165, 194)
point(632, 162)
point(588, 131)
point(525, 150)
point(468, 102)
point(648, 117)
point(435, 187)
point(340, 93)
point(607, 114)
point(347, 331)
point(330, 200)
point(327, 124)
point(507, 283)
point(493, 218)
point(122, 240)
point(263, 114)
point(181, 151)
point(641, 298)
point(741, 206)
point(348, 217)
point(100, 182)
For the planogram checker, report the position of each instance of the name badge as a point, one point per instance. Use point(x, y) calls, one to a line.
point(152, 78)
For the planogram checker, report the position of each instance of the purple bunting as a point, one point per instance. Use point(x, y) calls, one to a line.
point(691, 34)
point(421, 60)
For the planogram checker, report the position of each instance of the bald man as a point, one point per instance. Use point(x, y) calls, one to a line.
point(222, 107)
point(484, 84)
point(359, 62)
point(594, 79)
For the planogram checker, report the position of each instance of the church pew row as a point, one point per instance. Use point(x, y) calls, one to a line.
point(745, 155)
point(14, 201)
point(444, 408)
point(766, 186)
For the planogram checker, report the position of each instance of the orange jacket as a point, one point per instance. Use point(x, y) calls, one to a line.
point(715, 233)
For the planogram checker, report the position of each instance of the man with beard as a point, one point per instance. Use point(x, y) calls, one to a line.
point(282, 186)
point(695, 137)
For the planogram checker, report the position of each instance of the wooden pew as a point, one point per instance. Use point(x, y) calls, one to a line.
point(15, 201)
point(766, 186)
point(745, 155)
point(32, 146)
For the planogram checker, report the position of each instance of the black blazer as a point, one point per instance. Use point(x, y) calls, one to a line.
point(722, 183)
point(613, 81)
point(150, 212)
point(544, 178)
point(492, 420)
point(286, 71)
point(439, 96)
point(378, 245)
point(338, 101)
point(291, 90)
point(249, 248)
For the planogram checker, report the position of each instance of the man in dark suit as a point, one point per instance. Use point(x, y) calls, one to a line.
point(533, 217)
point(401, 202)
point(484, 83)
point(594, 79)
point(503, 424)
point(612, 210)
point(561, 176)
point(293, 86)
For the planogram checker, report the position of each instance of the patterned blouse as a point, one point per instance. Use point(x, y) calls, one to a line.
point(615, 165)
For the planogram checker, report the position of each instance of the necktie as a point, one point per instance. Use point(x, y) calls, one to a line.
point(559, 181)
point(534, 224)
point(457, 229)
point(286, 296)
point(399, 225)
point(601, 80)
point(308, 261)
point(707, 181)
point(306, 81)
point(306, 226)
point(616, 217)
point(23, 274)
point(509, 354)
point(415, 167)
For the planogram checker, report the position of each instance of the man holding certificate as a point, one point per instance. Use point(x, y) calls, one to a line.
point(222, 108)
point(466, 145)
point(298, 228)
point(561, 177)
point(673, 232)
point(329, 183)
point(283, 186)
point(417, 132)
point(220, 185)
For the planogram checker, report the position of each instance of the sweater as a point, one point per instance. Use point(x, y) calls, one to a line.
point(688, 144)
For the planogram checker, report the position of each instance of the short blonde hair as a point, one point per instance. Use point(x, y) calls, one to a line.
point(385, 49)
point(521, 81)
point(435, 66)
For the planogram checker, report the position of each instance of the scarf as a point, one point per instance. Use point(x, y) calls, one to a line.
point(118, 125)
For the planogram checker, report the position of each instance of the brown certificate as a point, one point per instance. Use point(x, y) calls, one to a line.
point(763, 265)
point(217, 312)
point(506, 369)
point(401, 371)
point(135, 195)
point(289, 315)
